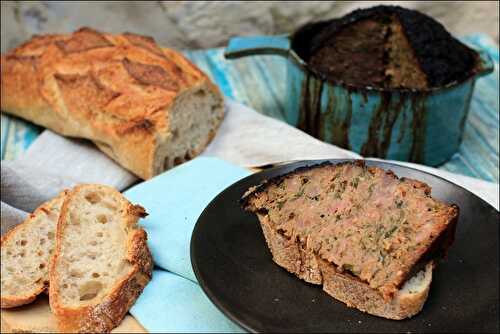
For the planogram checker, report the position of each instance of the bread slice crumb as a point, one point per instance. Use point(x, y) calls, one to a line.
point(101, 262)
point(26, 252)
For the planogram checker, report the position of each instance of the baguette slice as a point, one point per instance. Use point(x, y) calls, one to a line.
point(26, 251)
point(101, 262)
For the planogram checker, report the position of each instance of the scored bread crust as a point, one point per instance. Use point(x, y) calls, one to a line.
point(307, 265)
point(108, 313)
point(8, 301)
point(123, 92)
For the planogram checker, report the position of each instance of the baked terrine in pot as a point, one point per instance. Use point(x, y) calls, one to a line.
point(385, 82)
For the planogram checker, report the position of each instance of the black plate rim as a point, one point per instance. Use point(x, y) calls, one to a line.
point(298, 163)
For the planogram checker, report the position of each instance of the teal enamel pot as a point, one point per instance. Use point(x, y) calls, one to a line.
point(419, 126)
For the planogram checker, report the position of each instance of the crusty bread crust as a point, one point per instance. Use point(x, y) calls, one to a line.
point(306, 265)
point(107, 314)
point(119, 91)
point(8, 301)
point(357, 294)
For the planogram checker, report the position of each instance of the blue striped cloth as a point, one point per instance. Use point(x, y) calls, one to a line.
point(259, 82)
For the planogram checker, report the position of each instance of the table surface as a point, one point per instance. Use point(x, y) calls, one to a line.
point(259, 82)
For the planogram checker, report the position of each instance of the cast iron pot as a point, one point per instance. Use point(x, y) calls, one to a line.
point(409, 125)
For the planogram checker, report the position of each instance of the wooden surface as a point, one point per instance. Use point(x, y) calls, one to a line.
point(37, 318)
point(259, 82)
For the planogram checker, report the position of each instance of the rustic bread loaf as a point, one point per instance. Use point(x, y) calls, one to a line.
point(101, 261)
point(359, 231)
point(26, 252)
point(148, 108)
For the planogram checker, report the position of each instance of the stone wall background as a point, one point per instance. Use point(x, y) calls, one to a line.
point(194, 25)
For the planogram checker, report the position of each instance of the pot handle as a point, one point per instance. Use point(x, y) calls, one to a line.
point(257, 45)
point(487, 63)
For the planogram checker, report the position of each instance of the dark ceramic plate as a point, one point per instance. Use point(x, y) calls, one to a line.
point(234, 267)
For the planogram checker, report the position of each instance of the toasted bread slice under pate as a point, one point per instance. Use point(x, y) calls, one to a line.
point(101, 262)
point(359, 231)
point(26, 250)
point(405, 303)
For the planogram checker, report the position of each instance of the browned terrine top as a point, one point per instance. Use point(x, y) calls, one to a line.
point(385, 47)
point(364, 220)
